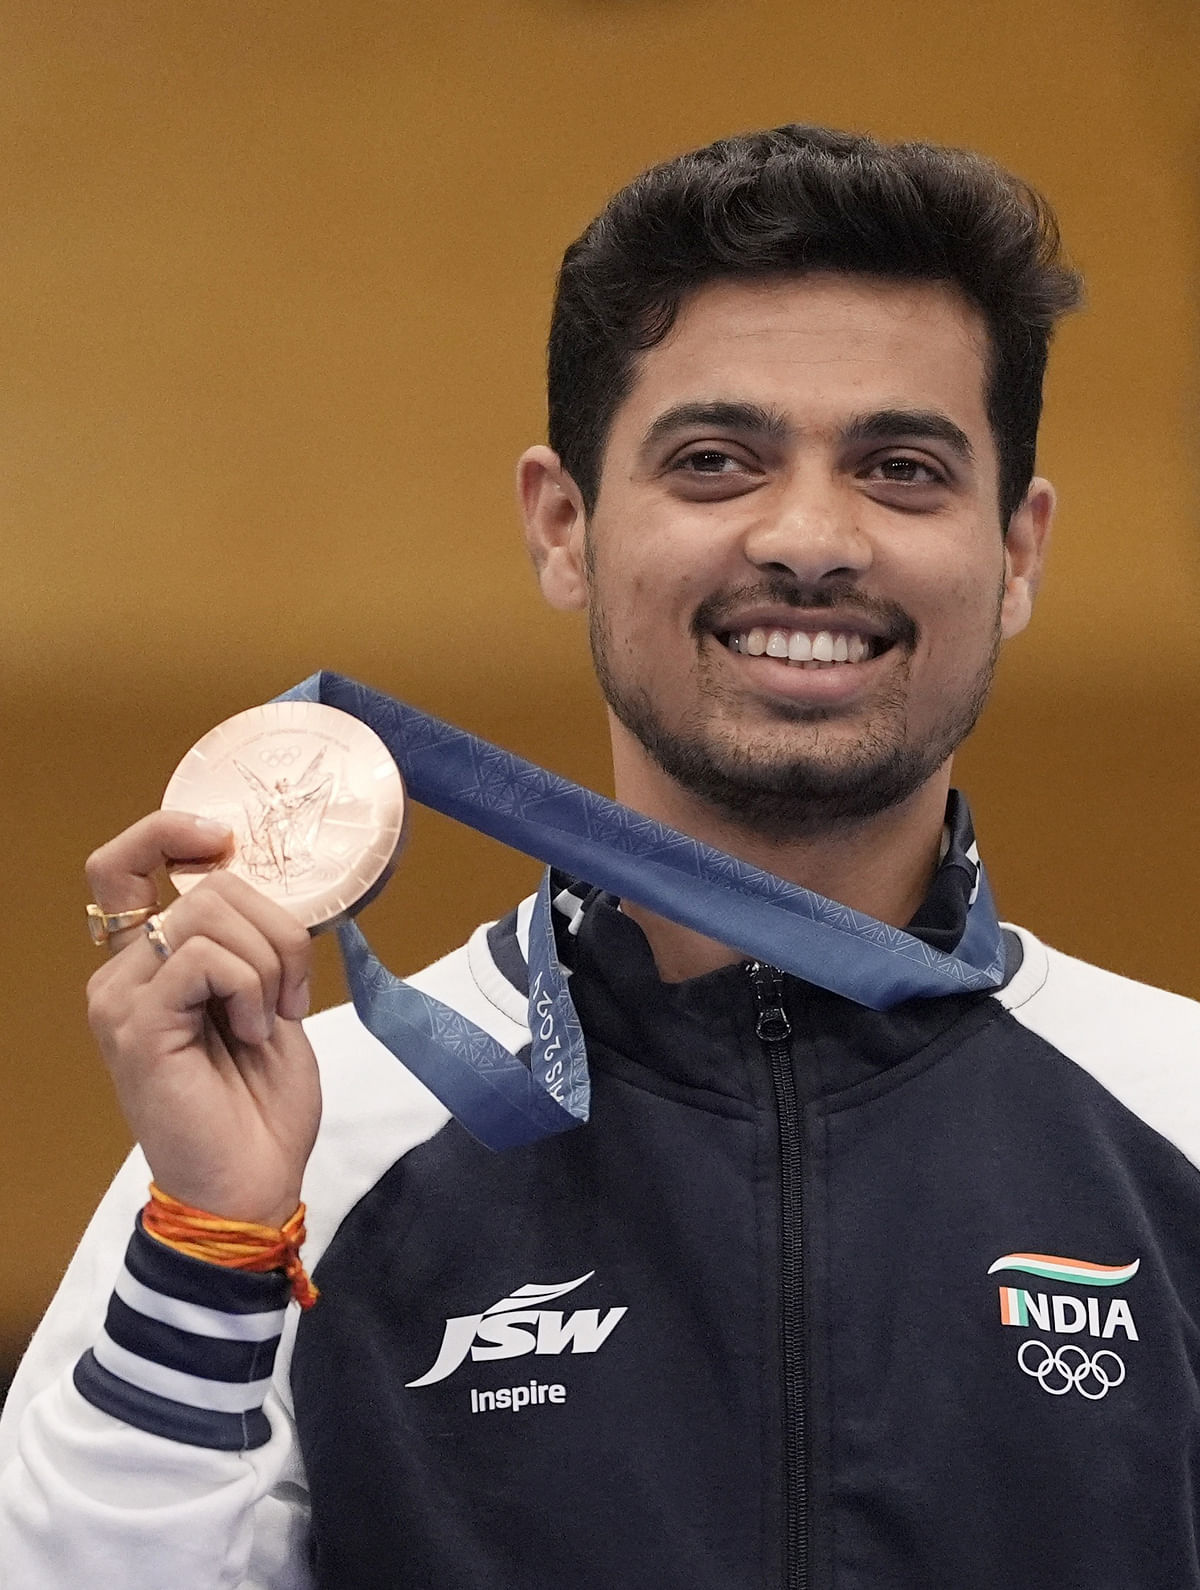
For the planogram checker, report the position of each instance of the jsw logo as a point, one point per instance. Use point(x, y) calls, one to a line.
point(511, 1328)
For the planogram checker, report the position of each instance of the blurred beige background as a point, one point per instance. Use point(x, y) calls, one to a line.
point(276, 280)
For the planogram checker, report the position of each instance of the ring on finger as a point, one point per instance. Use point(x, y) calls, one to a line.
point(103, 924)
point(155, 933)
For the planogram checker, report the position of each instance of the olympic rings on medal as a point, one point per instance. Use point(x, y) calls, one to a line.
point(284, 756)
point(1102, 1370)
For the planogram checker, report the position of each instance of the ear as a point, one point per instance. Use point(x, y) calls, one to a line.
point(555, 521)
point(1025, 554)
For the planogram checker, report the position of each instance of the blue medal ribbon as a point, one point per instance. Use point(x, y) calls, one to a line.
point(495, 1095)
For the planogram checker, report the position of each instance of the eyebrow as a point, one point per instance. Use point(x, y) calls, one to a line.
point(889, 425)
point(880, 426)
point(722, 416)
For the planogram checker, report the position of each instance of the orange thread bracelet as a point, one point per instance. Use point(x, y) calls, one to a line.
point(235, 1244)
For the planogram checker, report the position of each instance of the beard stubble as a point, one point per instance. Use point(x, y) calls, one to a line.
point(798, 786)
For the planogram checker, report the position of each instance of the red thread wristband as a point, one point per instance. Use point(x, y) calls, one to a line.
point(235, 1244)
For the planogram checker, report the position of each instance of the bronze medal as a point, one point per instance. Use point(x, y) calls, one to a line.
point(315, 802)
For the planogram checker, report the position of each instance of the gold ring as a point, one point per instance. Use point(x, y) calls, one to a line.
point(103, 924)
point(159, 940)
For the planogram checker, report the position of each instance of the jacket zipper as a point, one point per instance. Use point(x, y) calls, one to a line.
point(774, 1032)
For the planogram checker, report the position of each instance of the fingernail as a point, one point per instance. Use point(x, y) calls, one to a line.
point(211, 829)
point(293, 1002)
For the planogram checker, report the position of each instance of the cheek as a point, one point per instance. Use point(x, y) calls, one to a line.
point(958, 614)
point(971, 625)
point(658, 591)
point(974, 565)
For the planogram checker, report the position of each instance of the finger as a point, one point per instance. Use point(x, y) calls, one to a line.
point(121, 873)
point(203, 909)
point(260, 938)
point(202, 970)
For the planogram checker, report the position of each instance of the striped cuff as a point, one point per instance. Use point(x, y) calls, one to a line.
point(187, 1348)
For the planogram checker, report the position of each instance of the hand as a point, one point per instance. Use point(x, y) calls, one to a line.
point(212, 1069)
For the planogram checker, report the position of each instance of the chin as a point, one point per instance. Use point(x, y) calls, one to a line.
point(796, 797)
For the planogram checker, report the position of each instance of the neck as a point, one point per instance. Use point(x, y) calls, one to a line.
point(882, 866)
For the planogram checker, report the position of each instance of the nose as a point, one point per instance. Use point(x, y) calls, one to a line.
point(810, 529)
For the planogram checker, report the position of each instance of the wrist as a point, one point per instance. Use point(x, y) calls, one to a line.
point(251, 1246)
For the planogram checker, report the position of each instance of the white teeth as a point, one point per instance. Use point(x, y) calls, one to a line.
point(798, 646)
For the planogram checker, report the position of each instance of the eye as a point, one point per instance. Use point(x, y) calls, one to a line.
point(707, 461)
point(901, 471)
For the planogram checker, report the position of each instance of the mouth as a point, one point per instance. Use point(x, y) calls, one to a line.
point(806, 648)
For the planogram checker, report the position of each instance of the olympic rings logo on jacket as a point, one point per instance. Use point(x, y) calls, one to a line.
point(1092, 1375)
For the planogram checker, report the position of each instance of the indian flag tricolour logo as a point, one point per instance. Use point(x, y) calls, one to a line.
point(1079, 1272)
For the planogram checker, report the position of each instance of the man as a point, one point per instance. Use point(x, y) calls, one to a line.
point(821, 1295)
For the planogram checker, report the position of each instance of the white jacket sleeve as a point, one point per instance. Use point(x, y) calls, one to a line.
point(176, 1466)
point(88, 1498)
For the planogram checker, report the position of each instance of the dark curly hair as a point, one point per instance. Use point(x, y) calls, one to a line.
point(799, 199)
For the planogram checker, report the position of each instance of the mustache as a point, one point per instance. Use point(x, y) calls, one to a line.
point(716, 612)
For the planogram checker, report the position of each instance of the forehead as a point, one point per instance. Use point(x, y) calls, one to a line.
point(819, 348)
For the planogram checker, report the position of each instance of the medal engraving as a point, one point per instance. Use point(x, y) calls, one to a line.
point(283, 821)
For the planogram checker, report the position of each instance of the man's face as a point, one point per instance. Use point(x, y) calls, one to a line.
point(796, 577)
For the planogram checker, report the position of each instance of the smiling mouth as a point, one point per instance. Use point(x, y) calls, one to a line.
point(808, 648)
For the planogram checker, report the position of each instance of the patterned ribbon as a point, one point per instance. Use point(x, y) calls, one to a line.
point(491, 1091)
